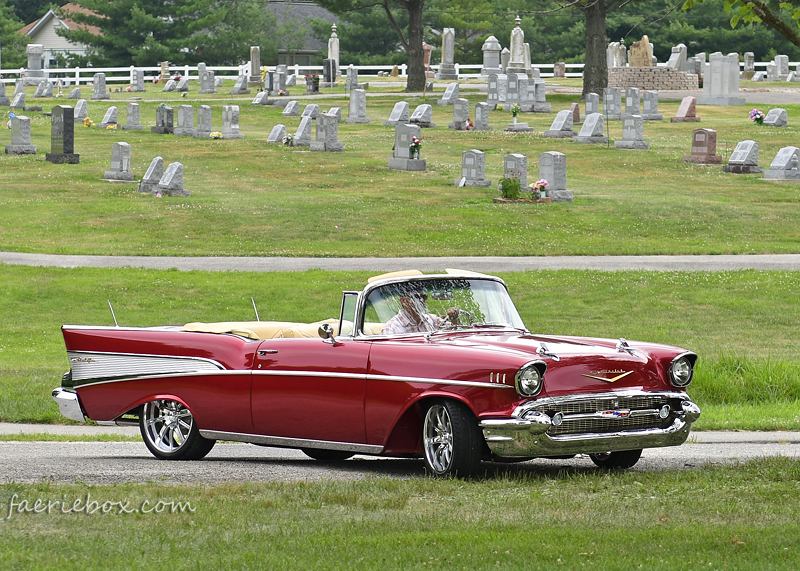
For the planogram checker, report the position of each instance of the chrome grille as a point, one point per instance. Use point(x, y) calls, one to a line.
point(600, 425)
point(605, 403)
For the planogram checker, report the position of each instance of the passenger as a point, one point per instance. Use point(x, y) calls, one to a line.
point(412, 317)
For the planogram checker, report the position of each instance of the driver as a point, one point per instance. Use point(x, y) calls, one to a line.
point(412, 317)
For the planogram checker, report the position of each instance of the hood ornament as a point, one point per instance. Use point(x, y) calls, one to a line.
point(623, 347)
point(542, 350)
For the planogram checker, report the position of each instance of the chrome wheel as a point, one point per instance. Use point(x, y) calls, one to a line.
point(169, 431)
point(451, 440)
point(438, 439)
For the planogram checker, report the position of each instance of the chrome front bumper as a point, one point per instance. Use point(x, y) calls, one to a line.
point(68, 404)
point(525, 435)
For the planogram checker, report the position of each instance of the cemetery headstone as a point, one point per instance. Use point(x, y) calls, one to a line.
point(772, 72)
point(292, 109)
point(612, 103)
point(20, 137)
point(493, 89)
point(447, 68)
point(491, 56)
point(759, 76)
point(110, 118)
point(482, 117)
point(721, 81)
point(632, 101)
point(575, 110)
point(240, 88)
point(749, 65)
point(4, 100)
point(677, 59)
point(183, 85)
point(261, 98)
point(219, 82)
point(255, 66)
point(592, 103)
point(777, 117)
point(704, 148)
point(19, 101)
point(302, 137)
point(516, 165)
point(561, 127)
point(450, 95)
point(170, 85)
point(74, 93)
point(423, 116)
point(640, 53)
point(329, 70)
point(81, 110)
point(62, 136)
point(152, 176)
point(99, 87)
point(132, 118)
point(311, 110)
point(505, 56)
point(592, 130)
point(34, 72)
point(207, 82)
point(460, 115)
point(785, 165)
point(291, 80)
point(164, 74)
point(337, 112)
point(399, 115)
point(137, 80)
point(352, 78)
point(782, 62)
point(560, 69)
point(44, 89)
point(553, 169)
point(540, 104)
point(516, 60)
point(171, 183)
point(358, 107)
point(473, 169)
point(120, 164)
point(650, 107)
point(687, 111)
point(327, 137)
point(404, 157)
point(230, 122)
point(333, 53)
point(203, 122)
point(744, 159)
point(632, 134)
point(165, 117)
point(277, 134)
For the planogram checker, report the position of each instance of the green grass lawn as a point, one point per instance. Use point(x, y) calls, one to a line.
point(741, 324)
point(251, 198)
point(739, 517)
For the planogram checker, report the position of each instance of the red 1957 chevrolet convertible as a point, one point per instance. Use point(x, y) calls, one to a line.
point(433, 366)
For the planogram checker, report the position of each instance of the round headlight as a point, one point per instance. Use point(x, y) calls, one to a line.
point(681, 372)
point(529, 381)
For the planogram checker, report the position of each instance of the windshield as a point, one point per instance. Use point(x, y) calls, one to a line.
point(424, 306)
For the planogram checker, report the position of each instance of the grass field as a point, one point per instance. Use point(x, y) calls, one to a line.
point(739, 517)
point(251, 198)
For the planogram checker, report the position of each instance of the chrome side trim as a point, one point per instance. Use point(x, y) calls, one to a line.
point(285, 442)
point(388, 378)
point(90, 365)
point(68, 404)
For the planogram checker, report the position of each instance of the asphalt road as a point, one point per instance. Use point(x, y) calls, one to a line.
point(116, 462)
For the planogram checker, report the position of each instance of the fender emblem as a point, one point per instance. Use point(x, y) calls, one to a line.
point(82, 360)
point(612, 379)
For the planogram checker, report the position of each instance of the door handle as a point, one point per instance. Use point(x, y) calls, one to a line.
point(263, 352)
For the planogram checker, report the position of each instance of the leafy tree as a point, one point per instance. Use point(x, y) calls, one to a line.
point(783, 17)
point(13, 43)
point(244, 24)
point(411, 40)
point(31, 10)
point(473, 21)
point(366, 37)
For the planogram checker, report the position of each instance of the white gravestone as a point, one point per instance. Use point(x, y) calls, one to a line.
point(81, 110)
point(399, 115)
point(516, 60)
point(450, 95)
point(785, 165)
point(352, 78)
point(482, 117)
point(137, 80)
point(184, 127)
point(447, 68)
point(460, 115)
point(20, 137)
point(423, 116)
point(149, 182)
point(207, 82)
point(632, 104)
point(230, 122)
point(473, 169)
point(183, 85)
point(561, 127)
point(744, 159)
point(632, 134)
point(358, 107)
point(511, 92)
point(592, 103)
point(650, 107)
point(677, 59)
point(491, 56)
point(553, 169)
point(99, 87)
point(132, 118)
point(403, 158)
point(292, 109)
point(120, 164)
point(255, 65)
point(592, 130)
point(261, 98)
point(721, 81)
point(277, 134)
point(337, 112)
point(493, 90)
point(203, 122)
point(777, 117)
point(170, 85)
point(171, 183)
point(540, 104)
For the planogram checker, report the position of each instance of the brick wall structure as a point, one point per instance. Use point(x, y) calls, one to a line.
point(652, 78)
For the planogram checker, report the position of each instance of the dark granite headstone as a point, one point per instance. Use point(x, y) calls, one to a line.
point(62, 136)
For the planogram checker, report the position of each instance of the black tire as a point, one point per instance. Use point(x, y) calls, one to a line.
point(451, 440)
point(170, 432)
point(327, 455)
point(617, 460)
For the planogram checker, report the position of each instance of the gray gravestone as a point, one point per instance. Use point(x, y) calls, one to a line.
point(302, 137)
point(632, 134)
point(650, 107)
point(744, 159)
point(399, 115)
point(81, 110)
point(612, 103)
point(491, 56)
point(255, 65)
point(75, 93)
point(337, 112)
point(403, 158)
point(4, 100)
point(423, 116)
point(327, 137)
point(99, 87)
point(165, 120)
point(516, 165)
point(592, 103)
point(44, 89)
point(207, 82)
point(20, 137)
point(230, 122)
point(553, 169)
point(358, 107)
point(184, 126)
point(311, 110)
point(511, 89)
point(277, 134)
point(132, 118)
point(450, 95)
point(540, 104)
point(677, 60)
point(19, 101)
point(352, 79)
point(110, 118)
point(785, 165)
point(721, 80)
point(493, 89)
point(34, 73)
point(183, 85)
point(482, 117)
point(592, 130)
point(171, 183)
point(261, 98)
point(777, 117)
point(460, 115)
point(447, 68)
point(632, 105)
point(170, 85)
point(219, 82)
point(704, 148)
point(473, 169)
point(149, 182)
point(561, 127)
point(203, 122)
point(120, 164)
point(291, 80)
point(292, 109)
point(241, 86)
point(137, 80)
point(62, 136)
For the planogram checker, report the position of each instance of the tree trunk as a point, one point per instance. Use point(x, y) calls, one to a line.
point(595, 71)
point(416, 64)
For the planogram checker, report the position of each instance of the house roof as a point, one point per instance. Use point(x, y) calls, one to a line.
point(302, 12)
point(66, 9)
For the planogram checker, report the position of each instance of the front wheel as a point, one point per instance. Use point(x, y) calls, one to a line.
point(451, 440)
point(170, 432)
point(616, 460)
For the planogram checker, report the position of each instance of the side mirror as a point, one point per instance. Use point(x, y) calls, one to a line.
point(326, 332)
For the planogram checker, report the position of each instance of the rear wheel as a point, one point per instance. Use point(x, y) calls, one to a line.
point(170, 432)
point(327, 455)
point(451, 440)
point(618, 460)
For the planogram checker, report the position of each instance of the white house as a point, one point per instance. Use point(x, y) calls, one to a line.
point(43, 31)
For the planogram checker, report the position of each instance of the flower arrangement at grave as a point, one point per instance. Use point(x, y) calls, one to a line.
point(112, 127)
point(314, 78)
point(757, 117)
point(11, 115)
point(264, 71)
point(288, 140)
point(538, 189)
point(510, 187)
point(282, 92)
point(515, 110)
point(183, 94)
point(500, 107)
point(415, 146)
point(468, 125)
point(215, 135)
point(155, 79)
point(88, 122)
point(177, 77)
point(129, 89)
